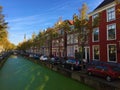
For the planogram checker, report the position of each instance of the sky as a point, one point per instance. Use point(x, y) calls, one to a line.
point(27, 16)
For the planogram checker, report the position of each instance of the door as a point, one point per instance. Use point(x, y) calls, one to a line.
point(87, 54)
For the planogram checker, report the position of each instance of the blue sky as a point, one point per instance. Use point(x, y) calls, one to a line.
point(28, 16)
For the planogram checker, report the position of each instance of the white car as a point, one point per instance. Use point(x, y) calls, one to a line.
point(44, 58)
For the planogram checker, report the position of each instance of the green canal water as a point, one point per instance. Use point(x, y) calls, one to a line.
point(21, 74)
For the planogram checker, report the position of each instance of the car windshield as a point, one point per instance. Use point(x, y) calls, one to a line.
point(71, 61)
point(44, 56)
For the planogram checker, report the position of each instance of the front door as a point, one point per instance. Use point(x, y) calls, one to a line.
point(87, 54)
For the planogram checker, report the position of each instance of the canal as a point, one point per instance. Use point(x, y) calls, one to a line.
point(19, 73)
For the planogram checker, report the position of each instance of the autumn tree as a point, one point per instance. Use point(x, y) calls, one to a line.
point(7, 45)
point(63, 28)
point(50, 32)
point(3, 28)
point(81, 26)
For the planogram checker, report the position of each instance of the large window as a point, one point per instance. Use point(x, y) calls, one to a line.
point(75, 38)
point(112, 53)
point(111, 14)
point(95, 35)
point(94, 16)
point(96, 52)
point(95, 20)
point(72, 27)
point(111, 32)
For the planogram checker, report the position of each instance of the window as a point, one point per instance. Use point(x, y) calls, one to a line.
point(72, 27)
point(94, 16)
point(61, 31)
point(95, 20)
point(71, 39)
point(112, 53)
point(105, 68)
point(96, 52)
point(75, 38)
point(95, 35)
point(111, 14)
point(68, 39)
point(111, 32)
point(116, 68)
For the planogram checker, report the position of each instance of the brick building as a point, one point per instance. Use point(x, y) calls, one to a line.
point(105, 38)
point(104, 44)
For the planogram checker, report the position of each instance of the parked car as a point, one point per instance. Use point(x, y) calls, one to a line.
point(31, 55)
point(36, 56)
point(26, 54)
point(55, 60)
point(43, 58)
point(72, 64)
point(1, 57)
point(105, 70)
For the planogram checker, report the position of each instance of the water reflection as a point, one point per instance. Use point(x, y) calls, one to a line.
point(21, 74)
point(14, 56)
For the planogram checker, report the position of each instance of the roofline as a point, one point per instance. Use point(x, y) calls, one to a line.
point(102, 8)
point(69, 21)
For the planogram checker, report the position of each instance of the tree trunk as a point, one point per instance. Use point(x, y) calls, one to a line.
point(82, 53)
point(65, 45)
point(59, 48)
point(50, 48)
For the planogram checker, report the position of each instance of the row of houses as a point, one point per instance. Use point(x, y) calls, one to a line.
point(104, 41)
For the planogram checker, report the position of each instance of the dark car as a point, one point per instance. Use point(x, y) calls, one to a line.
point(72, 64)
point(36, 56)
point(55, 60)
point(105, 70)
point(1, 57)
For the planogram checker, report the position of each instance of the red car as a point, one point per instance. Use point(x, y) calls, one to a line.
point(107, 71)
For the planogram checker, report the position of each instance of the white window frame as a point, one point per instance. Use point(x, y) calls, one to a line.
point(115, 31)
point(108, 14)
point(93, 51)
point(94, 16)
point(93, 35)
point(108, 53)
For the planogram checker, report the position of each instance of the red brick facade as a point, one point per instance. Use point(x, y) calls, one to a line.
point(104, 44)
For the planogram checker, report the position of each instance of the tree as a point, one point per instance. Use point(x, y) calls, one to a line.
point(66, 28)
point(63, 28)
point(81, 26)
point(51, 32)
point(4, 34)
point(3, 27)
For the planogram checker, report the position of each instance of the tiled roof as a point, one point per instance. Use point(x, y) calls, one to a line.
point(105, 2)
point(70, 21)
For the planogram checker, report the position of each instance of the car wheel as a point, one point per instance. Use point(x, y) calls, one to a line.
point(108, 78)
point(72, 68)
point(90, 73)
